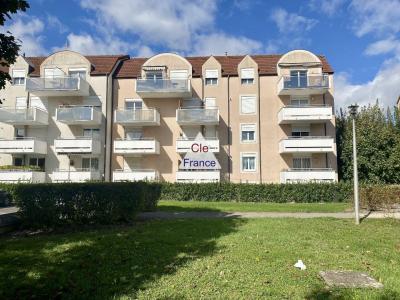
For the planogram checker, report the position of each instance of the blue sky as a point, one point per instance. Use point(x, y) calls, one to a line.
point(361, 38)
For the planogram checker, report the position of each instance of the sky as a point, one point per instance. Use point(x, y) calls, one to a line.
point(360, 38)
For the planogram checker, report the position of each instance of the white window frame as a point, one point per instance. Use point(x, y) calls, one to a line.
point(211, 79)
point(25, 102)
point(20, 82)
point(299, 98)
point(80, 70)
point(299, 156)
point(241, 125)
point(135, 100)
point(212, 99)
point(301, 128)
point(240, 105)
point(248, 154)
point(247, 79)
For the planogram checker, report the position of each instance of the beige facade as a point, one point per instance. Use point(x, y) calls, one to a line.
point(265, 118)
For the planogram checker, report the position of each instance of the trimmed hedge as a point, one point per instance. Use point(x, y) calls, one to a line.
point(243, 192)
point(70, 204)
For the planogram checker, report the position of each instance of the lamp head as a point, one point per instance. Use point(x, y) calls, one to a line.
point(353, 109)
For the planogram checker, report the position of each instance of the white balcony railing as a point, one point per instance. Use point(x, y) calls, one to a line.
point(136, 146)
point(197, 116)
point(308, 175)
point(163, 88)
point(135, 175)
point(184, 145)
point(198, 176)
point(310, 114)
point(76, 115)
point(23, 145)
point(137, 117)
point(58, 86)
point(77, 145)
point(308, 144)
point(31, 116)
point(75, 175)
point(303, 85)
point(19, 176)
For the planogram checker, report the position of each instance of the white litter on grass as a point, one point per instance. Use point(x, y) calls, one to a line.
point(300, 265)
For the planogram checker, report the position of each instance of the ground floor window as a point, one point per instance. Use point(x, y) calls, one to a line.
point(18, 161)
point(37, 162)
point(248, 162)
point(90, 163)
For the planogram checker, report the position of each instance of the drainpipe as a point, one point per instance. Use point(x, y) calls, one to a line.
point(229, 132)
point(325, 132)
point(259, 129)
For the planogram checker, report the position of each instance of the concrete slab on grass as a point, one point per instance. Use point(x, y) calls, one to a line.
point(349, 279)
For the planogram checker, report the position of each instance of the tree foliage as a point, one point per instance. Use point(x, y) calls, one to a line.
point(9, 45)
point(378, 145)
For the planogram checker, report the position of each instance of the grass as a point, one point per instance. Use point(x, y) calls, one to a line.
point(214, 258)
point(167, 205)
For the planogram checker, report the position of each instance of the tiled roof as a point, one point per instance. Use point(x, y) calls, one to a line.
point(266, 65)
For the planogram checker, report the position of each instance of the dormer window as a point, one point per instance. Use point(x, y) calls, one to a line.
point(81, 72)
point(298, 78)
point(155, 75)
point(211, 77)
point(247, 76)
point(18, 77)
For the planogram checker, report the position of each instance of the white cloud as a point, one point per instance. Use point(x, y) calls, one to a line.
point(291, 22)
point(171, 23)
point(28, 30)
point(328, 7)
point(380, 17)
point(385, 86)
point(385, 46)
point(54, 22)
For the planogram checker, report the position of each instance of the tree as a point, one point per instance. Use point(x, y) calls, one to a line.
point(378, 145)
point(9, 46)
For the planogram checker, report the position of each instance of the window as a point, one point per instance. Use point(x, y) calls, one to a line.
point(301, 163)
point(77, 73)
point(37, 102)
point(37, 162)
point(298, 78)
point(18, 77)
point(18, 161)
point(247, 104)
point(155, 75)
point(20, 102)
point(90, 163)
point(300, 131)
point(248, 162)
point(299, 101)
point(211, 77)
point(53, 73)
point(19, 133)
point(133, 104)
point(134, 134)
point(247, 76)
point(210, 102)
point(91, 132)
point(178, 74)
point(248, 132)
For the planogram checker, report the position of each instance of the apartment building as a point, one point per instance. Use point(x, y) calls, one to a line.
point(265, 118)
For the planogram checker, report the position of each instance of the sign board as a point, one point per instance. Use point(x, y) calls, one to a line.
point(199, 157)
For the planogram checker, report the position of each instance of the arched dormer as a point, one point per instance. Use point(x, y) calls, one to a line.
point(299, 59)
point(167, 62)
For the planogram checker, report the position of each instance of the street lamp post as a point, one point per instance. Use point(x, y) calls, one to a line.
point(353, 112)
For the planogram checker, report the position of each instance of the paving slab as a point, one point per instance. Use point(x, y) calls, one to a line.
point(349, 279)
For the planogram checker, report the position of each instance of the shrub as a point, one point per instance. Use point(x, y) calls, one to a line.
point(235, 192)
point(380, 196)
point(69, 204)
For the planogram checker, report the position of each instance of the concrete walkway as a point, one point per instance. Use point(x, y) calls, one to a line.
point(302, 215)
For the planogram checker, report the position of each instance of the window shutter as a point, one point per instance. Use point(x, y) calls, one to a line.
point(248, 127)
point(18, 73)
point(210, 102)
point(247, 73)
point(212, 73)
point(53, 73)
point(20, 102)
point(38, 103)
point(178, 74)
point(248, 104)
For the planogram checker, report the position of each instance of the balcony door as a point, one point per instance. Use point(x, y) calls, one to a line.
point(300, 131)
point(302, 163)
point(90, 163)
point(298, 78)
point(134, 134)
point(91, 133)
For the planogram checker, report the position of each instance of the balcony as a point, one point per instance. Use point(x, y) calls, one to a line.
point(307, 144)
point(197, 116)
point(163, 88)
point(309, 114)
point(198, 176)
point(135, 175)
point(303, 85)
point(23, 145)
point(31, 116)
point(77, 145)
point(184, 145)
point(137, 117)
point(19, 176)
point(57, 86)
point(136, 146)
point(75, 175)
point(79, 115)
point(308, 175)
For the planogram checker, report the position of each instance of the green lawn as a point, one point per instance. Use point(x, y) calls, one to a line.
point(213, 258)
point(251, 206)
